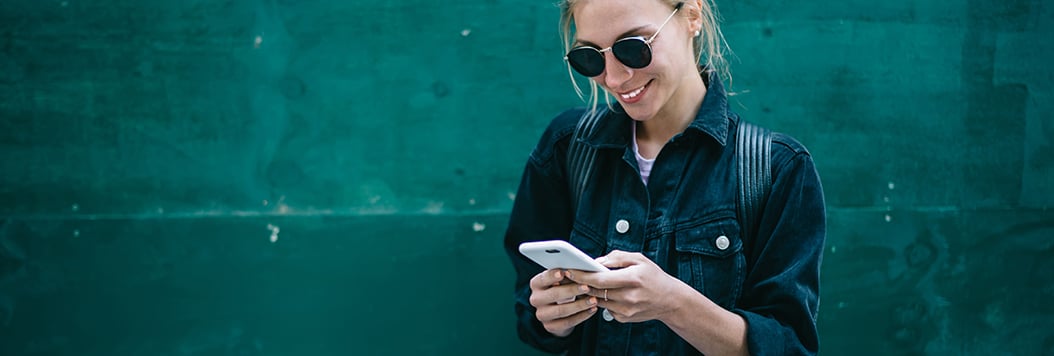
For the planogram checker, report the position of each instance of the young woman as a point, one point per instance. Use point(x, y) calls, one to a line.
point(660, 207)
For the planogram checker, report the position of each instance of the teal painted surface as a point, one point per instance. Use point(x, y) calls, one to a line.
point(311, 177)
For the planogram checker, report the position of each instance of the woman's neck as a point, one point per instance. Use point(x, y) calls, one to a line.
point(673, 118)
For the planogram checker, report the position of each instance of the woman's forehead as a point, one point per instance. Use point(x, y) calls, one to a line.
point(603, 20)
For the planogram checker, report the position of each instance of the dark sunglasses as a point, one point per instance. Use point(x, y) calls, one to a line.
point(634, 52)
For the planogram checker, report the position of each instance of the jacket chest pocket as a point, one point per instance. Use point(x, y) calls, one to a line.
point(710, 259)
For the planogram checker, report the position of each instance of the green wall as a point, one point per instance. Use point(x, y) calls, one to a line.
point(333, 177)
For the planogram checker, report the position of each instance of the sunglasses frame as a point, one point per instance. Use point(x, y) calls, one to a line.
point(647, 45)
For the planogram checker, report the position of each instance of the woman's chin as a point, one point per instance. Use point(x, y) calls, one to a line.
point(639, 112)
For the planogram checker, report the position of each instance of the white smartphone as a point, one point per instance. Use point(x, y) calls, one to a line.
point(560, 254)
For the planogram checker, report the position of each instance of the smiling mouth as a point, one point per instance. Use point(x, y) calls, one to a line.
point(633, 94)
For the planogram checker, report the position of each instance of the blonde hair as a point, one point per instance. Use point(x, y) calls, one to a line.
point(710, 42)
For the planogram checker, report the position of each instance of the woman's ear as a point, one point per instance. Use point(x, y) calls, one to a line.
point(694, 16)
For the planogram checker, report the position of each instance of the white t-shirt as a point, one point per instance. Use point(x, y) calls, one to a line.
point(644, 163)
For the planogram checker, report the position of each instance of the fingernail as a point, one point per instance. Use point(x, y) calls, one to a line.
point(557, 274)
point(592, 301)
point(583, 288)
point(592, 310)
point(602, 259)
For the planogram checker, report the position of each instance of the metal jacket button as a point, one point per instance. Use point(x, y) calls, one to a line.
point(722, 242)
point(622, 226)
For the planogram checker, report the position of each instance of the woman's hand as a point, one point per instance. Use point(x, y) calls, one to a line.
point(637, 291)
point(551, 286)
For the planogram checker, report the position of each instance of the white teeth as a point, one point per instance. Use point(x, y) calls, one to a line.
point(632, 94)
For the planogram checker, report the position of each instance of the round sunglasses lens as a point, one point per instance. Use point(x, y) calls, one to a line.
point(633, 52)
point(586, 61)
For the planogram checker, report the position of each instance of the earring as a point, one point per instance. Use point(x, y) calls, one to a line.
point(696, 33)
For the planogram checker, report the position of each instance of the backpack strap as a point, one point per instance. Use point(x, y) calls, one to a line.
point(581, 157)
point(754, 167)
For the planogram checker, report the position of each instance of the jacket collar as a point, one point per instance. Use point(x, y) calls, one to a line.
point(712, 119)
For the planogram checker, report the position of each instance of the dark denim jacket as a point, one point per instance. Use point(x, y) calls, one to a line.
point(676, 220)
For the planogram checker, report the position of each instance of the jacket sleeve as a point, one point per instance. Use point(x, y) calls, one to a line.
point(781, 290)
point(541, 211)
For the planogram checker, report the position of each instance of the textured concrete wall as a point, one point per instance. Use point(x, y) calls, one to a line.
point(333, 177)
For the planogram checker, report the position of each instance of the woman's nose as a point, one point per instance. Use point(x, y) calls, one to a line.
point(615, 73)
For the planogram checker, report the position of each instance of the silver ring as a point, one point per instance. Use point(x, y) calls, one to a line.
point(605, 295)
